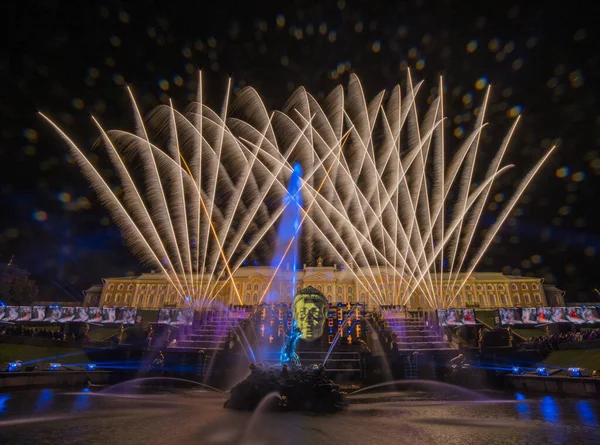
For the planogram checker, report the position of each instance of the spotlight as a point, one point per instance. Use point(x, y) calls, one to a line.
point(54, 366)
point(577, 372)
point(517, 371)
point(542, 372)
point(14, 366)
point(91, 367)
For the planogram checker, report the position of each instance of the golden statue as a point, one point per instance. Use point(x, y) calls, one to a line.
point(310, 310)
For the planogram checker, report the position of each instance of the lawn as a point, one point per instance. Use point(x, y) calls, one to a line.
point(27, 353)
point(575, 358)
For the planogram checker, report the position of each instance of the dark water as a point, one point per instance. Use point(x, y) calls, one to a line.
point(49, 417)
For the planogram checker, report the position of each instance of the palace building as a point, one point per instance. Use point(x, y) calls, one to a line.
point(483, 289)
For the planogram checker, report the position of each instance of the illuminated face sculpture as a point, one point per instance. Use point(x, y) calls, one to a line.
point(310, 310)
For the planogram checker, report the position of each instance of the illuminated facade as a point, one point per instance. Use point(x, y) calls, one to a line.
point(486, 290)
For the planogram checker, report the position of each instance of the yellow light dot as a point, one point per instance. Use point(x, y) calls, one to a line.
point(459, 132)
point(163, 84)
point(84, 203)
point(118, 79)
point(481, 83)
point(64, 197)
point(467, 99)
point(178, 80)
point(514, 111)
point(578, 177)
point(420, 64)
point(494, 45)
point(562, 172)
point(30, 134)
point(564, 210)
point(472, 46)
point(78, 103)
point(280, 20)
point(376, 47)
point(40, 215)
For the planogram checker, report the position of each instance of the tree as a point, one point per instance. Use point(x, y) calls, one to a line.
point(16, 288)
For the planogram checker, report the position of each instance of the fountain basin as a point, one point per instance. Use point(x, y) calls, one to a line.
point(300, 389)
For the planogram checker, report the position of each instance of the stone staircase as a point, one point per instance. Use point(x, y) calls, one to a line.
point(414, 334)
point(211, 334)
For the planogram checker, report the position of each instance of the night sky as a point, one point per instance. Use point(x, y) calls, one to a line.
point(73, 59)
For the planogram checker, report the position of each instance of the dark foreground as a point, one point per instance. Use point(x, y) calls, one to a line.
point(50, 417)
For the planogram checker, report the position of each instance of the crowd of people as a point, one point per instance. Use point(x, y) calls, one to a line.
point(20, 331)
point(552, 341)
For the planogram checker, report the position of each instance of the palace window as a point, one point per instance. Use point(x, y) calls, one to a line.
point(362, 298)
point(339, 290)
point(527, 298)
point(117, 298)
point(468, 287)
point(248, 287)
point(501, 286)
point(469, 297)
point(151, 300)
point(479, 287)
point(329, 289)
point(130, 287)
point(504, 301)
point(111, 286)
point(490, 287)
point(513, 286)
point(320, 288)
point(349, 289)
point(524, 286)
point(127, 298)
point(517, 298)
point(120, 287)
point(107, 298)
point(534, 286)
point(256, 287)
point(255, 298)
point(538, 298)
point(492, 299)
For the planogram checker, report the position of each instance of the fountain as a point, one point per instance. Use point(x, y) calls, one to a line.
point(301, 389)
point(399, 218)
